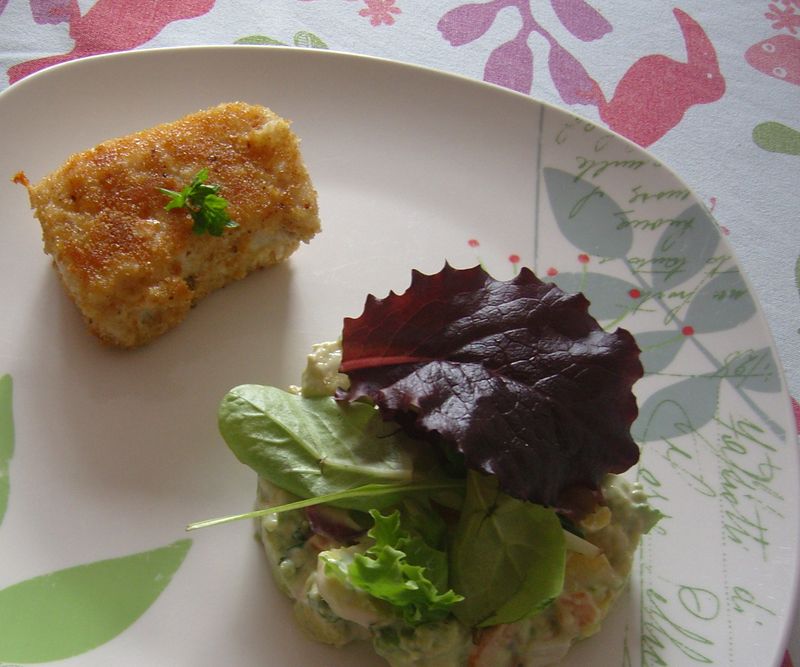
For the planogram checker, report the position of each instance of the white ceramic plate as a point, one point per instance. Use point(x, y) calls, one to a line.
point(115, 452)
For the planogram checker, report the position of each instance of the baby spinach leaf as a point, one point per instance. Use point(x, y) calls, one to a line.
point(403, 570)
point(315, 446)
point(507, 558)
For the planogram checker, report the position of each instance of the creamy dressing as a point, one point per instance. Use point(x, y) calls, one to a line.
point(321, 376)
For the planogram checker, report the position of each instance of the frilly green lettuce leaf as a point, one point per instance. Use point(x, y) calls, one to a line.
point(402, 569)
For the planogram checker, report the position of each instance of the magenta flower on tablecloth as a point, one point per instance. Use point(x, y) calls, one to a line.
point(379, 11)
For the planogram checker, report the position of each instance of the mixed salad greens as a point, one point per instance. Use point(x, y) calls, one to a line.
point(463, 436)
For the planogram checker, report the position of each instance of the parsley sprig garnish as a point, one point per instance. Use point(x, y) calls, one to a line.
point(207, 208)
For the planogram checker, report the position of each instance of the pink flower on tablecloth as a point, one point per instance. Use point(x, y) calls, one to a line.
point(379, 11)
point(784, 18)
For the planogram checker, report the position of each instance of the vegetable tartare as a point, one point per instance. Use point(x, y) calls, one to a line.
point(445, 482)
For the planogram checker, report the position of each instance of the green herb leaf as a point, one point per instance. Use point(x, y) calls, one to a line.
point(316, 446)
point(403, 570)
point(178, 198)
point(507, 558)
point(207, 209)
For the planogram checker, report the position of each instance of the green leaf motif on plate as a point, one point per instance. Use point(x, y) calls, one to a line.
point(610, 297)
point(678, 409)
point(6, 440)
point(755, 370)
point(303, 39)
point(71, 611)
point(684, 248)
point(308, 40)
point(721, 304)
point(659, 348)
point(587, 216)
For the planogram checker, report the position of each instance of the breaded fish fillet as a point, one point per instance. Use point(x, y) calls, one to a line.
point(135, 269)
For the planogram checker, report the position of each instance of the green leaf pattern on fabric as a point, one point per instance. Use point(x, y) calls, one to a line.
point(302, 39)
point(777, 138)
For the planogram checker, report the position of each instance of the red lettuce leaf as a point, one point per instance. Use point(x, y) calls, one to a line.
point(515, 374)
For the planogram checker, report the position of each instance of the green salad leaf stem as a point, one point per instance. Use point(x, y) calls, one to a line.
point(368, 491)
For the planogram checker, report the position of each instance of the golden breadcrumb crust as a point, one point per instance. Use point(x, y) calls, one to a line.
point(134, 269)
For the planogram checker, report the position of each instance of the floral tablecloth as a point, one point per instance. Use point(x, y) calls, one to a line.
point(712, 89)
